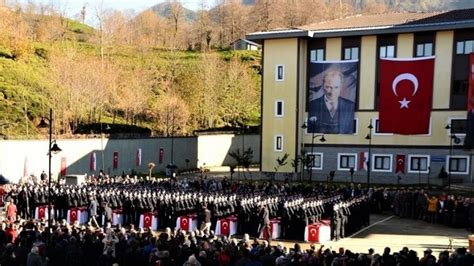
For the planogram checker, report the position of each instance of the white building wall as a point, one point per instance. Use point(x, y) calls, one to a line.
point(210, 149)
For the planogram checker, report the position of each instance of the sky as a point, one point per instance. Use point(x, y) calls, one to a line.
point(73, 7)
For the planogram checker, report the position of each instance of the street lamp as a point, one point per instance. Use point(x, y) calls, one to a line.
point(52, 148)
point(313, 136)
point(369, 138)
point(452, 138)
point(107, 128)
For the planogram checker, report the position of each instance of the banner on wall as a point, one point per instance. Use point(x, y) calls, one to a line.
point(469, 140)
point(63, 169)
point(363, 159)
point(331, 96)
point(25, 167)
point(63, 166)
point(406, 92)
point(93, 162)
point(138, 157)
point(400, 163)
point(162, 155)
point(115, 160)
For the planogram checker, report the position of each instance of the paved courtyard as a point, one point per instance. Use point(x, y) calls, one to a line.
point(396, 233)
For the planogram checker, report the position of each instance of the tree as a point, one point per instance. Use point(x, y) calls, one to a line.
point(281, 161)
point(243, 159)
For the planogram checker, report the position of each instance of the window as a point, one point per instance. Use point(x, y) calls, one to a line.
point(356, 122)
point(382, 163)
point(350, 48)
point(279, 108)
point(458, 164)
point(424, 49)
point(317, 55)
point(464, 42)
point(346, 161)
point(278, 143)
point(464, 47)
point(458, 126)
point(424, 44)
point(316, 160)
point(418, 163)
point(387, 51)
point(351, 53)
point(280, 73)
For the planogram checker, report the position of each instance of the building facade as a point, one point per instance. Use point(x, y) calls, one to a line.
point(287, 80)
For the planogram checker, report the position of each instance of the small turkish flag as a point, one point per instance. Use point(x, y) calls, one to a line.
point(73, 215)
point(41, 212)
point(225, 228)
point(184, 223)
point(313, 233)
point(406, 91)
point(147, 219)
point(400, 163)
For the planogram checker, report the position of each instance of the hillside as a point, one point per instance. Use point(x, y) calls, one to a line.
point(89, 78)
point(165, 10)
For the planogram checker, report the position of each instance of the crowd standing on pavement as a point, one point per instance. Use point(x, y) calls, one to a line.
point(25, 241)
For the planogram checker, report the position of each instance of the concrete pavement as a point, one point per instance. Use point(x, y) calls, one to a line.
point(396, 233)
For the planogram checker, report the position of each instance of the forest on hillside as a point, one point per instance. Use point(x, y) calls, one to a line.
point(164, 70)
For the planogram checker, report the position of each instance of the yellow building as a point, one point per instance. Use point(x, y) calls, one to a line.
point(287, 55)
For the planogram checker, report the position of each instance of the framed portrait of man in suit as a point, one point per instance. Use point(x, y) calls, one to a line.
point(331, 97)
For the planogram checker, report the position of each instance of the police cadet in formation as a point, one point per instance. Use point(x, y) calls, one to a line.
point(168, 199)
point(349, 216)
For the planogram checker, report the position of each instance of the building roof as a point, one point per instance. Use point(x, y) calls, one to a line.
point(248, 42)
point(377, 24)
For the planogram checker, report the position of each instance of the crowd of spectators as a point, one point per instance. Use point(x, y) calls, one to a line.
point(28, 242)
point(126, 246)
point(415, 203)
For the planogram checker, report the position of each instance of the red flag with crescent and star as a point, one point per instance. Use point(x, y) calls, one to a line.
point(147, 219)
point(184, 223)
point(73, 215)
point(41, 212)
point(406, 92)
point(313, 233)
point(225, 228)
point(469, 140)
point(400, 163)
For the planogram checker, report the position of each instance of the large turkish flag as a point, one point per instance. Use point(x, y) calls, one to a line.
point(469, 140)
point(406, 91)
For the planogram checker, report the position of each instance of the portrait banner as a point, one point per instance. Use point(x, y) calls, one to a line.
point(406, 92)
point(331, 97)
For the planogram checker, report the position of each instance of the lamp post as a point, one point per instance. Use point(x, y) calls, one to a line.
point(107, 128)
point(452, 138)
point(52, 148)
point(369, 138)
point(313, 136)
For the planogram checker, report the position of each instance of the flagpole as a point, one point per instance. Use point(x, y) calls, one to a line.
point(369, 138)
